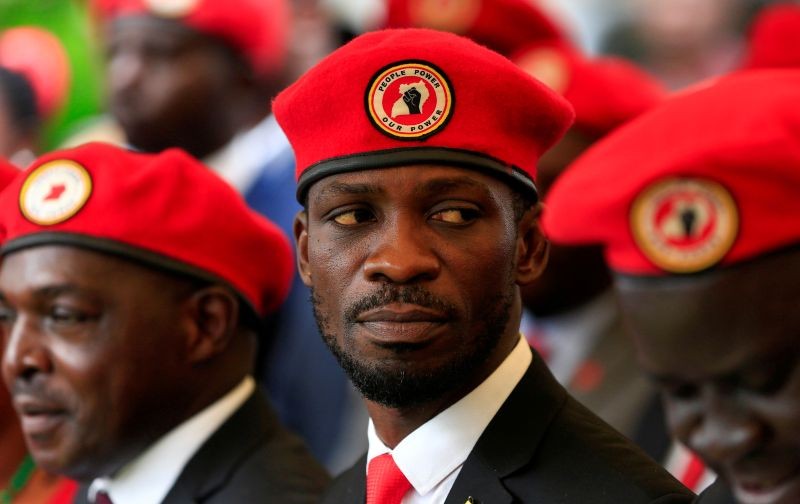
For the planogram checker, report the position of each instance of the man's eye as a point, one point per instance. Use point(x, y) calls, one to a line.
point(353, 217)
point(768, 378)
point(456, 215)
point(67, 316)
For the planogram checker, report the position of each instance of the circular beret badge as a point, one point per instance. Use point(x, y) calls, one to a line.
point(54, 192)
point(409, 100)
point(684, 225)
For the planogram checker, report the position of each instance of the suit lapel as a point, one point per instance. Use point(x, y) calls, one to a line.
point(219, 456)
point(511, 438)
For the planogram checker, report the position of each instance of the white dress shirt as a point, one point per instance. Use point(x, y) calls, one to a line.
point(432, 456)
point(149, 477)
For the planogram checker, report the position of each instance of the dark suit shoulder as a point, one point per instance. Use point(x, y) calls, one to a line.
point(717, 493)
point(545, 447)
point(279, 470)
point(349, 487)
point(251, 458)
point(588, 459)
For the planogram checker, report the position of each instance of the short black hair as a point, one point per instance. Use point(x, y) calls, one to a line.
point(521, 202)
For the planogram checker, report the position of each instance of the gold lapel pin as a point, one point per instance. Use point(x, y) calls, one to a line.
point(469, 500)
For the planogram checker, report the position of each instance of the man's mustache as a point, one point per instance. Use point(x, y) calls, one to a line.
point(414, 295)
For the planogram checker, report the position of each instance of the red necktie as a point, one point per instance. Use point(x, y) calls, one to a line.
point(386, 483)
point(102, 498)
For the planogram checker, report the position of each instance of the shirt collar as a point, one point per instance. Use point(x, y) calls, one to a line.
point(149, 477)
point(442, 444)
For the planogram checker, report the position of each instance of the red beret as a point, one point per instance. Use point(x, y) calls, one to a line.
point(710, 177)
point(774, 38)
point(501, 25)
point(39, 56)
point(414, 96)
point(166, 210)
point(257, 28)
point(605, 92)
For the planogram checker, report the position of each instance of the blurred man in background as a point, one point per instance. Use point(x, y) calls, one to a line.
point(703, 238)
point(200, 75)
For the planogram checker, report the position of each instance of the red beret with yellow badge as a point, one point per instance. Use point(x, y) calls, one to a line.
point(257, 28)
point(165, 210)
point(709, 178)
point(417, 96)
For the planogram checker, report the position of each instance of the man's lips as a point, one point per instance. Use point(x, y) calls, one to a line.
point(38, 417)
point(401, 323)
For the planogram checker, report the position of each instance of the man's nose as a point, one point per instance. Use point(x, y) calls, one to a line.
point(725, 431)
point(402, 254)
point(25, 355)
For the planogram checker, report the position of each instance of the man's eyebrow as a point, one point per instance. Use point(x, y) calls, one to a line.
point(443, 185)
point(343, 189)
point(52, 291)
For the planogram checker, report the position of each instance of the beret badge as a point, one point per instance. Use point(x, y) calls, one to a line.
point(54, 192)
point(684, 225)
point(409, 100)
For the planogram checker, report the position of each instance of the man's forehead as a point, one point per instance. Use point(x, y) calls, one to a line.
point(715, 322)
point(418, 180)
point(48, 263)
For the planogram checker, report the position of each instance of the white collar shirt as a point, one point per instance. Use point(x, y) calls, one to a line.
point(149, 477)
point(432, 456)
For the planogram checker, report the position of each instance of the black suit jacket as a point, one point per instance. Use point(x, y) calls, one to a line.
point(717, 493)
point(251, 458)
point(543, 447)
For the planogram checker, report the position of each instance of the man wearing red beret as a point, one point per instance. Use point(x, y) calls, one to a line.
point(200, 74)
point(20, 479)
point(415, 161)
point(129, 342)
point(703, 238)
point(575, 319)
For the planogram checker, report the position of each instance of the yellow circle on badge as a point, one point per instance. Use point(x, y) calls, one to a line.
point(409, 100)
point(684, 225)
point(171, 8)
point(54, 192)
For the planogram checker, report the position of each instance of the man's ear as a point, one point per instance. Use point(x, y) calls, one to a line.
point(213, 315)
point(300, 229)
point(532, 247)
